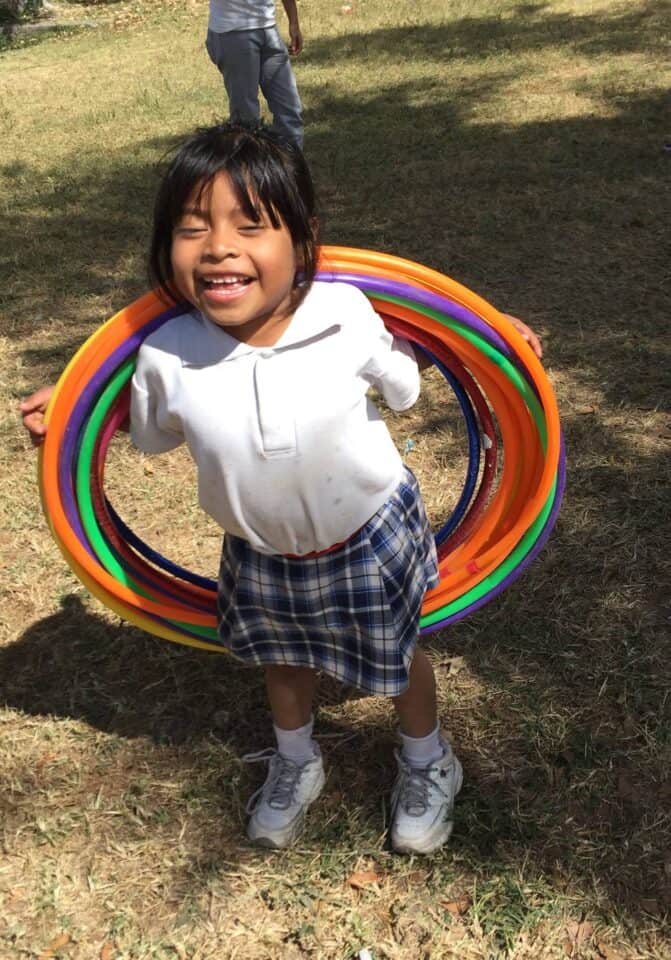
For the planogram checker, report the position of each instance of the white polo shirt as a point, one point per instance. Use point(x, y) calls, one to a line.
point(292, 455)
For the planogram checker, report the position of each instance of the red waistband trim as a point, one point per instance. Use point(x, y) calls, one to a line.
point(316, 553)
point(321, 553)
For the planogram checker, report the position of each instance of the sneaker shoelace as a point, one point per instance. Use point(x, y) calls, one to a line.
point(280, 786)
point(412, 789)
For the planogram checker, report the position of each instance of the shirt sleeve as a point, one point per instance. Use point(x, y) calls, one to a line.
point(152, 429)
point(391, 365)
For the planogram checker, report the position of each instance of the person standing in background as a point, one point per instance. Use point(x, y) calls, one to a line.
point(244, 44)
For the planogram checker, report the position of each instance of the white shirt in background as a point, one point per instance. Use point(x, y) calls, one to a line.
point(227, 15)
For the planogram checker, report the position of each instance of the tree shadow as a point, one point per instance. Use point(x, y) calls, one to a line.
point(519, 224)
point(533, 28)
point(76, 664)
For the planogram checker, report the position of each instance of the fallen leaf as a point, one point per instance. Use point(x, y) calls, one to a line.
point(579, 933)
point(362, 878)
point(61, 941)
point(569, 947)
point(649, 904)
point(457, 907)
point(454, 664)
point(106, 951)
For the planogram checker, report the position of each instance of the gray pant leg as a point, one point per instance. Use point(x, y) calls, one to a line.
point(279, 88)
point(237, 55)
point(247, 58)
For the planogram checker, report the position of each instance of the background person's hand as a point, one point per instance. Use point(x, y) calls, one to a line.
point(295, 40)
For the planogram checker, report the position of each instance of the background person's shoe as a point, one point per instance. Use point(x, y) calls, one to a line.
point(278, 807)
point(422, 803)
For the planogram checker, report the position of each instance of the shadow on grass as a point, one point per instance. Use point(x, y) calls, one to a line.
point(556, 221)
point(562, 774)
point(534, 28)
point(566, 750)
point(76, 664)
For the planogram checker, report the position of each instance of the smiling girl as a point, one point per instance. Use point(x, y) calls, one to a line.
point(327, 551)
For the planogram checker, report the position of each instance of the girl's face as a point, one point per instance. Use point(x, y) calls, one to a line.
point(239, 273)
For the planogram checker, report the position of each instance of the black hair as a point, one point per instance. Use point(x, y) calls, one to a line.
point(264, 169)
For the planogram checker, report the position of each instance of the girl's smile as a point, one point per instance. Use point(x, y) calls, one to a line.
point(240, 272)
point(223, 287)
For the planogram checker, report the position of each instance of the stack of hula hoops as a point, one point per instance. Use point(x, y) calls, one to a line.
point(512, 488)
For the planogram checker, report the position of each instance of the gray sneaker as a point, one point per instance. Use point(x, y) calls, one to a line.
point(278, 807)
point(422, 803)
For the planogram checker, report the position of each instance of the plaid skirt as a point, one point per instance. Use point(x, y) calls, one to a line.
point(352, 613)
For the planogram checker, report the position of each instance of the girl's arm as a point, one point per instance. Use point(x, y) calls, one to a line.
point(32, 413)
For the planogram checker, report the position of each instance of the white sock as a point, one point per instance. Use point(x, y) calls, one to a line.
point(296, 745)
point(422, 751)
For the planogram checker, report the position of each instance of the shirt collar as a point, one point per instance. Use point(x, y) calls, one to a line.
point(309, 323)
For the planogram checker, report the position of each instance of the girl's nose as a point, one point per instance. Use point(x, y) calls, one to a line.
point(222, 243)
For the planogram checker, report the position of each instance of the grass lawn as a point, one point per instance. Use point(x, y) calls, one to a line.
point(518, 147)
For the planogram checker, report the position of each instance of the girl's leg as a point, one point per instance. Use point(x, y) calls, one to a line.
point(416, 707)
point(295, 772)
point(429, 775)
point(290, 692)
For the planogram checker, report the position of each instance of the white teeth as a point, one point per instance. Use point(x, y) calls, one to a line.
point(225, 281)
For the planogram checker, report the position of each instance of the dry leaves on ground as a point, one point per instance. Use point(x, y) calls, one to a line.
point(362, 878)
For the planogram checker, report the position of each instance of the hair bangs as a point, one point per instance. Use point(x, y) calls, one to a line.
point(268, 176)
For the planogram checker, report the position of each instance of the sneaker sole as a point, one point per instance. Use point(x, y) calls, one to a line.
point(279, 839)
point(434, 839)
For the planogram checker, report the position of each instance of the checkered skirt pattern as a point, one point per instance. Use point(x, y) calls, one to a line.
point(352, 613)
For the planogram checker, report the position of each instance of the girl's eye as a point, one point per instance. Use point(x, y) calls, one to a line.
point(251, 228)
point(185, 231)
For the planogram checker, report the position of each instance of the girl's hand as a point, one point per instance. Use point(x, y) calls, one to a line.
point(531, 338)
point(32, 411)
